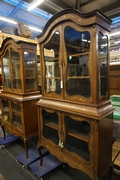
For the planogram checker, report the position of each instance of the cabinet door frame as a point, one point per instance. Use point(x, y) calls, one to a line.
point(42, 140)
point(79, 98)
point(52, 94)
point(88, 139)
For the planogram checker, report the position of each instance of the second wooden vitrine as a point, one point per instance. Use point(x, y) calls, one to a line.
point(20, 88)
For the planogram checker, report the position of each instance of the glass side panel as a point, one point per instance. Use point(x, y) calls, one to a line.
point(52, 71)
point(16, 107)
point(6, 70)
point(50, 126)
point(30, 67)
point(76, 131)
point(77, 46)
point(6, 114)
point(16, 110)
point(103, 64)
point(17, 121)
point(16, 69)
point(39, 74)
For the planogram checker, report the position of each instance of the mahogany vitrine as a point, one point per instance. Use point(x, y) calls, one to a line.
point(74, 112)
point(20, 88)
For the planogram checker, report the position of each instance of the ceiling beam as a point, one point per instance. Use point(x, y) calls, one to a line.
point(12, 13)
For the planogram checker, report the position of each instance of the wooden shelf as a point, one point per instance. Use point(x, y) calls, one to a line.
point(79, 54)
point(51, 125)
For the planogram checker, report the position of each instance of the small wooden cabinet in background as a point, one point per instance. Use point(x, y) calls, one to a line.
point(115, 79)
point(20, 88)
point(75, 115)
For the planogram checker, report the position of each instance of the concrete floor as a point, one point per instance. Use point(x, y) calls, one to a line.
point(11, 170)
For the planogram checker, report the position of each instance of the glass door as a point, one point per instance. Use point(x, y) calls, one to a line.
point(16, 114)
point(77, 136)
point(30, 71)
point(51, 126)
point(16, 70)
point(53, 71)
point(77, 45)
point(6, 111)
point(103, 64)
point(6, 70)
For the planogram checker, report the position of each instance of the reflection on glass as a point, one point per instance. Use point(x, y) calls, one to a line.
point(52, 72)
point(39, 74)
point(6, 69)
point(16, 68)
point(103, 64)
point(77, 46)
point(29, 60)
point(16, 110)
point(16, 107)
point(17, 121)
point(6, 114)
point(77, 128)
point(50, 120)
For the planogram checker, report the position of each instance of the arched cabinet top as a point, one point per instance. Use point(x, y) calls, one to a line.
point(16, 45)
point(83, 19)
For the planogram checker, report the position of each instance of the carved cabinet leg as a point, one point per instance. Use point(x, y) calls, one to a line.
point(41, 156)
point(26, 146)
point(3, 129)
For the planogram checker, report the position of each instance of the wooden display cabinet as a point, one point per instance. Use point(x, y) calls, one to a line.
point(20, 88)
point(75, 118)
point(115, 79)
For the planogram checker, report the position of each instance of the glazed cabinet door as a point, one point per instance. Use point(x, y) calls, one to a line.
point(5, 110)
point(12, 70)
point(52, 66)
point(73, 135)
point(50, 128)
point(16, 70)
point(7, 81)
point(76, 136)
point(12, 113)
point(103, 62)
point(16, 111)
point(66, 63)
point(77, 60)
point(30, 71)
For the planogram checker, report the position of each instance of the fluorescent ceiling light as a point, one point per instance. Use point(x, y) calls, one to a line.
point(116, 33)
point(35, 29)
point(116, 42)
point(8, 20)
point(34, 4)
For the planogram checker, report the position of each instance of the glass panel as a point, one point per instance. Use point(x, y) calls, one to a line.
point(16, 68)
point(77, 46)
point(52, 71)
point(16, 109)
point(39, 76)
point(17, 121)
point(103, 64)
point(50, 127)
point(75, 131)
point(6, 114)
point(6, 69)
point(30, 67)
